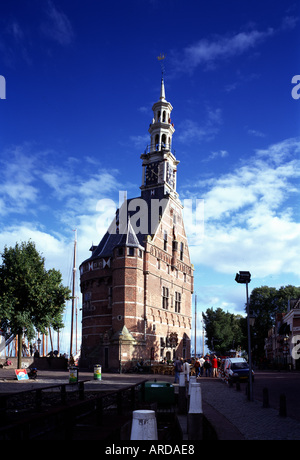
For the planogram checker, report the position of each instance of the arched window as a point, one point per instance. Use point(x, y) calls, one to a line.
point(157, 142)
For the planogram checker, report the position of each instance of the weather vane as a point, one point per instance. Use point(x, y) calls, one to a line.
point(161, 58)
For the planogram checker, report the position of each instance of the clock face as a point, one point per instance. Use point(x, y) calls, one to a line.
point(151, 173)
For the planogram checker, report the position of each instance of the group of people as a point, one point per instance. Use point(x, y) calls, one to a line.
point(207, 366)
point(203, 366)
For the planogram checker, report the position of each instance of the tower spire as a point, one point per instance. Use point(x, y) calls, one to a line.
point(159, 161)
point(161, 58)
point(162, 90)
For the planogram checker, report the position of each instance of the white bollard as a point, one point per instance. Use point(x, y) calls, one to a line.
point(195, 399)
point(181, 379)
point(182, 400)
point(192, 380)
point(195, 414)
point(144, 426)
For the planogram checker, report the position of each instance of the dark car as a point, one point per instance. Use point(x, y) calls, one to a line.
point(237, 370)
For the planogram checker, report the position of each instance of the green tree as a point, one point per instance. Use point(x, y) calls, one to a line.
point(31, 298)
point(266, 302)
point(223, 330)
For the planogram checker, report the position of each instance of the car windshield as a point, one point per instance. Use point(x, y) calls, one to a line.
point(240, 365)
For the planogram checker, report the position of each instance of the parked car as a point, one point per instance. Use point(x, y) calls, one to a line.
point(236, 370)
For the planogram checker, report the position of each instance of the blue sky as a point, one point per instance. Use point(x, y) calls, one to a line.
point(81, 78)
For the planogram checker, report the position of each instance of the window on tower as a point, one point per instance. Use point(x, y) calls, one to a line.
point(157, 142)
point(130, 251)
point(181, 251)
point(165, 298)
point(177, 302)
point(110, 296)
point(165, 240)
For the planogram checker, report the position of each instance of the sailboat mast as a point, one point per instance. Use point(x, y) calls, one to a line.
point(73, 296)
point(195, 326)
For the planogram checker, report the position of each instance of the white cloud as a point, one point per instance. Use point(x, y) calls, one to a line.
point(249, 220)
point(191, 130)
point(52, 247)
point(207, 52)
point(58, 27)
point(140, 141)
point(30, 185)
point(216, 154)
point(254, 132)
point(17, 188)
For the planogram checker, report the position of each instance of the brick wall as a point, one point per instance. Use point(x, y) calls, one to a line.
point(130, 293)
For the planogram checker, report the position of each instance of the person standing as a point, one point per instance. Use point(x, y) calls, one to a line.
point(215, 366)
point(201, 361)
point(186, 370)
point(207, 367)
point(177, 369)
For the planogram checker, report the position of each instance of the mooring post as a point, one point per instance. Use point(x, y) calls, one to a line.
point(282, 405)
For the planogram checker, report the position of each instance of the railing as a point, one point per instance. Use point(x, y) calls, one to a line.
point(65, 416)
point(158, 147)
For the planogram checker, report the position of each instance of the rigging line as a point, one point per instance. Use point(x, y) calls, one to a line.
point(73, 294)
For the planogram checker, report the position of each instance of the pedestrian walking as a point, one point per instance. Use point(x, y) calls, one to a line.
point(197, 367)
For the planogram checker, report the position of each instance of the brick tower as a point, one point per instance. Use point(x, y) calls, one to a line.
point(137, 284)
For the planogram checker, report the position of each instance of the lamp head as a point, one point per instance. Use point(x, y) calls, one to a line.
point(243, 277)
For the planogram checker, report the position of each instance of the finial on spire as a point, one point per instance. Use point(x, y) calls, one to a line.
point(161, 58)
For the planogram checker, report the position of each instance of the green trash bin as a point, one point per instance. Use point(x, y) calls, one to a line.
point(160, 392)
point(97, 372)
point(73, 374)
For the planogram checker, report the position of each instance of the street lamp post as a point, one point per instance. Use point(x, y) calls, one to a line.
point(120, 352)
point(244, 278)
point(39, 345)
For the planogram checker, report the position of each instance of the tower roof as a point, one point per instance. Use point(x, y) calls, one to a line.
point(119, 233)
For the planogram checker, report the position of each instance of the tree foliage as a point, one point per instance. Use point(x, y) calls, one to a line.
point(223, 330)
point(265, 303)
point(31, 298)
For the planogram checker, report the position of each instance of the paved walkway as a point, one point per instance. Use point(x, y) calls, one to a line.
point(248, 418)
